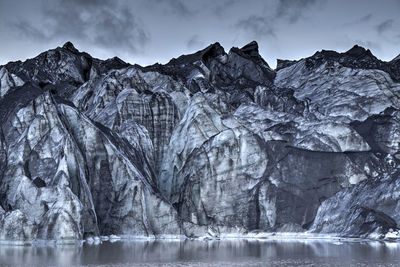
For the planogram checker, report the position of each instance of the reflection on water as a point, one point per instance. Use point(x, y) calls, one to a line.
point(202, 253)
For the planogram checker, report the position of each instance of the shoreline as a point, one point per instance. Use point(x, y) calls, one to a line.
point(259, 237)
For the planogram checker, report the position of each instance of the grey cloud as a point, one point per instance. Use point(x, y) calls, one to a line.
point(27, 30)
point(260, 26)
point(385, 25)
point(395, 39)
point(292, 9)
point(123, 32)
point(365, 18)
point(194, 42)
point(220, 7)
point(286, 10)
point(96, 22)
point(178, 7)
point(91, 3)
point(362, 19)
point(369, 44)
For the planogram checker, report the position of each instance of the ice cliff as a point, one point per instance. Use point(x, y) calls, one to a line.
point(212, 142)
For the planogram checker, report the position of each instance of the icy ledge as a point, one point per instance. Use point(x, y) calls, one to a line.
point(391, 237)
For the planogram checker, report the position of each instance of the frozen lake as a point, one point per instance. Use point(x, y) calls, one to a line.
point(206, 253)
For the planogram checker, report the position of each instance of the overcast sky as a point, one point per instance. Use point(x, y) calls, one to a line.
point(149, 31)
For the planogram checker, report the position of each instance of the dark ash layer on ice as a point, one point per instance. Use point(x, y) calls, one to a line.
point(210, 144)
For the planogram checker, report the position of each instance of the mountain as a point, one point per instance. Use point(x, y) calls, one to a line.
point(210, 144)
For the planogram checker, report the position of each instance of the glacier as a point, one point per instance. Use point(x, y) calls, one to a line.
point(212, 144)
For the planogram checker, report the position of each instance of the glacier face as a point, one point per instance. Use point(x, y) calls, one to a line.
point(209, 143)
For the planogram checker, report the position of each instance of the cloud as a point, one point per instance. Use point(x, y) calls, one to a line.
point(260, 26)
point(365, 18)
point(194, 42)
point(97, 22)
point(219, 8)
point(369, 44)
point(178, 7)
point(91, 3)
point(119, 31)
point(27, 30)
point(292, 10)
point(362, 19)
point(384, 26)
point(265, 25)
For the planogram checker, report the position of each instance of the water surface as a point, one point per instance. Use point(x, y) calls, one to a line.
point(206, 253)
